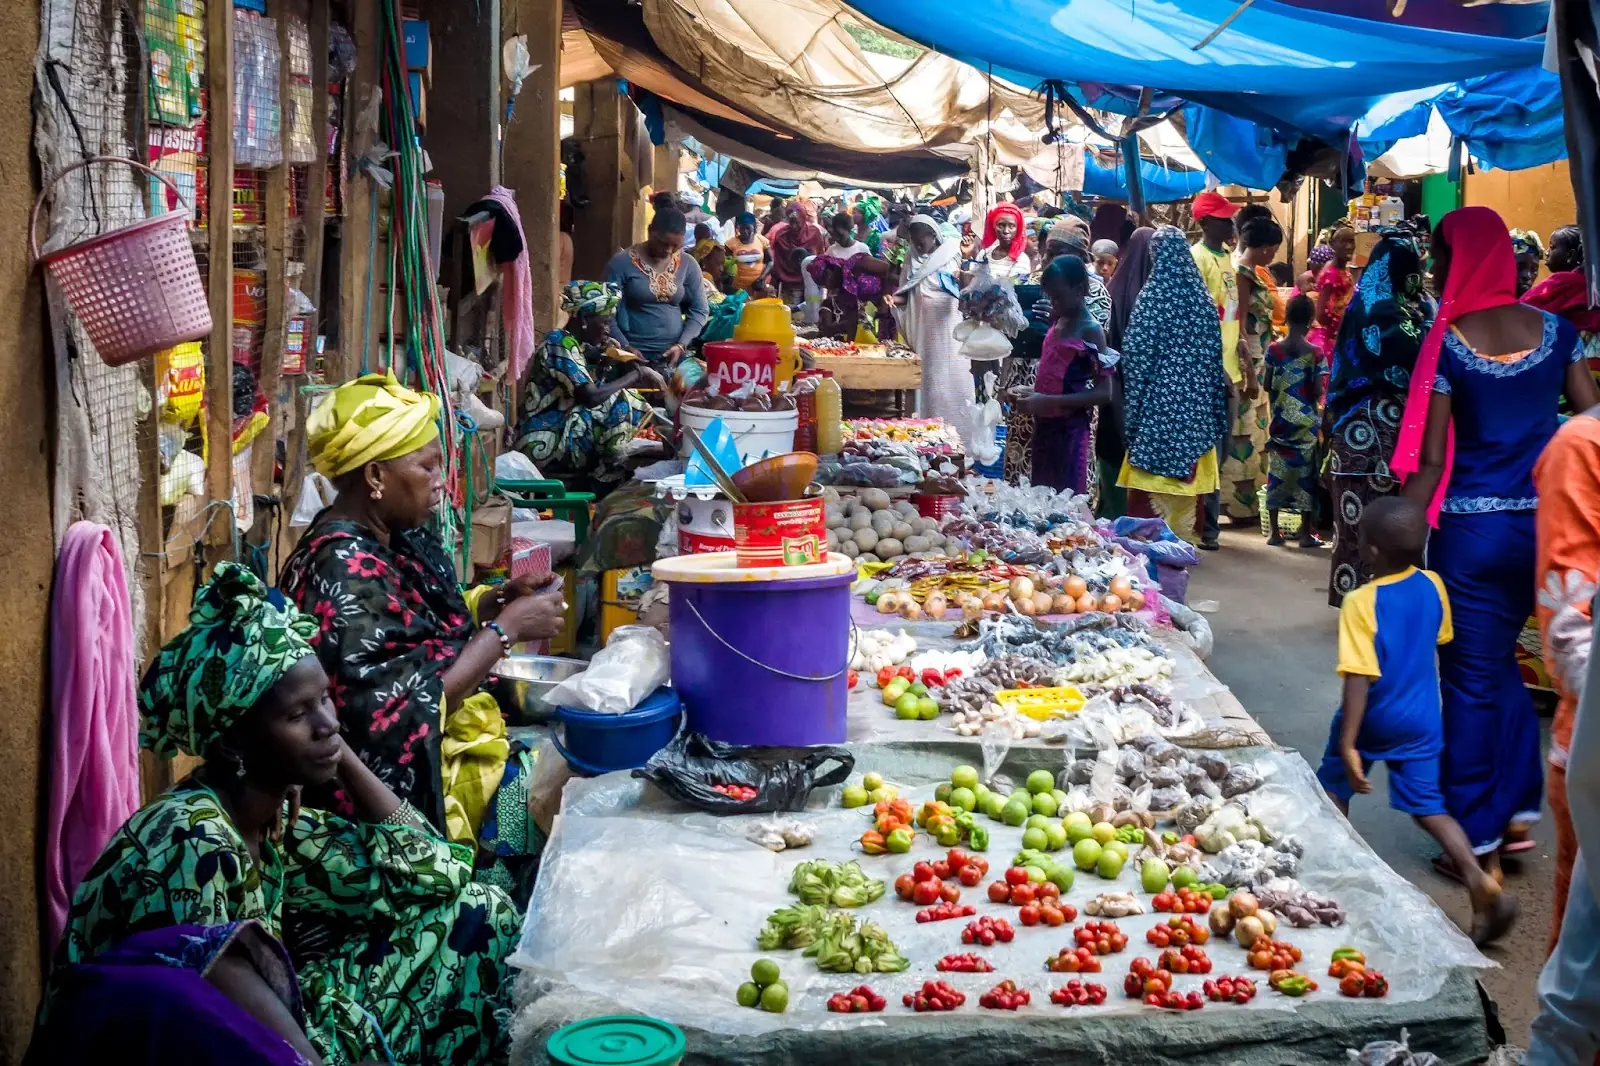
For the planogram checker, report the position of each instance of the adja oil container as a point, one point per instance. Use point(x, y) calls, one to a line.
point(760, 654)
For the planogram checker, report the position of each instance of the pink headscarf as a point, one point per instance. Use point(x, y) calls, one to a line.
point(1019, 238)
point(1482, 276)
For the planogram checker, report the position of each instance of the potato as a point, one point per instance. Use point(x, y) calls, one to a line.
point(830, 495)
point(833, 518)
point(874, 499)
point(868, 557)
point(906, 507)
point(889, 547)
point(859, 520)
point(915, 544)
point(902, 530)
point(866, 538)
point(848, 547)
point(832, 540)
point(884, 522)
point(918, 524)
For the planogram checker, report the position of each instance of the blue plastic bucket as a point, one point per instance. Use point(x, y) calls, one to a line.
point(597, 743)
point(759, 654)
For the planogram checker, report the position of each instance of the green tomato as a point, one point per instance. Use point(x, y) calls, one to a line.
point(1077, 831)
point(1041, 781)
point(927, 708)
point(1184, 877)
point(1061, 798)
point(1036, 821)
point(872, 781)
point(1045, 804)
point(963, 798)
point(764, 972)
point(748, 995)
point(854, 796)
point(942, 792)
point(1153, 875)
point(907, 707)
point(1104, 832)
point(1036, 875)
point(918, 689)
point(993, 803)
point(872, 598)
point(775, 998)
point(1035, 838)
point(1109, 864)
point(965, 776)
point(1057, 835)
point(1061, 875)
point(1086, 852)
point(1072, 818)
point(1015, 812)
point(1117, 847)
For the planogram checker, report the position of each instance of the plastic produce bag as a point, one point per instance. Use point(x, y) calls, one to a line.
point(633, 664)
point(783, 778)
point(985, 343)
point(984, 417)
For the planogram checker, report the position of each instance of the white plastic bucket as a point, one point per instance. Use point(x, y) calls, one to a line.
point(757, 434)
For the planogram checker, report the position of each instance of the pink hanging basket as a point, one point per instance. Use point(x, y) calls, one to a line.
point(137, 289)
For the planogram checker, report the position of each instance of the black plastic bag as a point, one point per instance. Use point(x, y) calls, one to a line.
point(782, 777)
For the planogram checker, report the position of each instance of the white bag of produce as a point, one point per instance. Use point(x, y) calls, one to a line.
point(633, 664)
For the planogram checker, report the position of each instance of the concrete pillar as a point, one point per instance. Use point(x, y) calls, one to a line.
point(664, 168)
point(600, 229)
point(464, 102)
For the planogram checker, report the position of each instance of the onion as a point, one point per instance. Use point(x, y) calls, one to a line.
point(1135, 600)
point(994, 602)
point(1021, 589)
point(910, 610)
point(1075, 586)
point(1025, 606)
point(935, 605)
point(1063, 604)
point(1121, 587)
point(888, 603)
point(1041, 602)
point(1087, 604)
point(971, 610)
point(1111, 604)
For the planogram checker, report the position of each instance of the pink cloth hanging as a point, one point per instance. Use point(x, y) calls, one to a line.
point(94, 731)
point(516, 297)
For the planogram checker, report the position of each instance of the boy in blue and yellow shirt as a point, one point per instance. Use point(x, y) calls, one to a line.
point(1389, 630)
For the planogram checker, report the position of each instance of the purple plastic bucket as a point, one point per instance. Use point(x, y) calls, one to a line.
point(762, 661)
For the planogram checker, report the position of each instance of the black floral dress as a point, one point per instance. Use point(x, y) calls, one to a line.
point(392, 622)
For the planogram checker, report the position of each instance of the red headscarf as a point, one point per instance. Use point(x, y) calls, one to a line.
point(1483, 276)
point(1019, 239)
point(1565, 293)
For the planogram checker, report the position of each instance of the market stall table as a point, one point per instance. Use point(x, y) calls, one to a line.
point(875, 373)
point(644, 906)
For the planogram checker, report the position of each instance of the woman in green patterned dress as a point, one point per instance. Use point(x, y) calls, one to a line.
point(573, 421)
point(400, 956)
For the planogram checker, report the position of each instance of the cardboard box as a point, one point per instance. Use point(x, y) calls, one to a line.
point(419, 99)
point(417, 44)
point(491, 533)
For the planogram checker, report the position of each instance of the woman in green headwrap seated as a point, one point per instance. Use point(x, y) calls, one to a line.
point(397, 951)
point(582, 407)
point(405, 654)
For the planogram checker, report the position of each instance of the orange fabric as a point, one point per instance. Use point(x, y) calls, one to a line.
point(1555, 790)
point(1567, 477)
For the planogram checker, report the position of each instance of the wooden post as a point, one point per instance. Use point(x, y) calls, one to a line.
point(357, 233)
point(600, 229)
point(531, 151)
point(264, 450)
point(219, 352)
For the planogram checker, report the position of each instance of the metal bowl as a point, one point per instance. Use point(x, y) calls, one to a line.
point(525, 680)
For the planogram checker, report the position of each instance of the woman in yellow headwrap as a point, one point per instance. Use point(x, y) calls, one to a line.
point(404, 652)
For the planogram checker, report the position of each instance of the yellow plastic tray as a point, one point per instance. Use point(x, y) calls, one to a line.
point(1041, 703)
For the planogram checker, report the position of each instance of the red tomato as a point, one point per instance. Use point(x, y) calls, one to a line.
point(948, 892)
point(969, 875)
point(1016, 875)
point(1022, 894)
point(999, 892)
point(886, 674)
point(941, 869)
point(925, 893)
point(903, 885)
point(922, 871)
point(907, 673)
point(1029, 915)
point(1053, 917)
point(957, 858)
point(853, 676)
point(1046, 890)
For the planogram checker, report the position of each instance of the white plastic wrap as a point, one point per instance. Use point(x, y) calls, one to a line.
point(633, 664)
point(697, 892)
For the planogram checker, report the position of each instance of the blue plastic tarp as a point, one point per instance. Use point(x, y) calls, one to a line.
point(1287, 67)
point(1160, 184)
point(1510, 121)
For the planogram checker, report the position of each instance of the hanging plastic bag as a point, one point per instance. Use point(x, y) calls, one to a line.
point(689, 767)
point(985, 344)
point(982, 447)
point(634, 663)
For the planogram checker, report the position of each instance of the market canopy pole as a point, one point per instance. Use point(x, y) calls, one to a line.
point(219, 535)
point(355, 245)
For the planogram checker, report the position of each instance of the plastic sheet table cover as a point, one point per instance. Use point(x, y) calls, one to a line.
point(644, 905)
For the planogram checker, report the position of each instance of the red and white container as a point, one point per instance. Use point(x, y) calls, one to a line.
point(790, 533)
point(735, 363)
point(705, 525)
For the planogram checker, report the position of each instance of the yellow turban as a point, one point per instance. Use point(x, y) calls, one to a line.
point(370, 419)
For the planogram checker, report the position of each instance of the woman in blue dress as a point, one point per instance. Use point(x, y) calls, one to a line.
point(1482, 405)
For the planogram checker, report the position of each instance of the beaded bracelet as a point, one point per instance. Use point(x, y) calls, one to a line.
point(505, 641)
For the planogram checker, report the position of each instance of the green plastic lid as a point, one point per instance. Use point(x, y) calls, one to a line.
point(617, 1040)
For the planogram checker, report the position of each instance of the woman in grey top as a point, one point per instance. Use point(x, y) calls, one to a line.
point(663, 299)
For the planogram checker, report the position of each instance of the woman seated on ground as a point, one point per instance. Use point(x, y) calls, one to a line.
point(663, 296)
point(582, 406)
point(398, 638)
point(399, 953)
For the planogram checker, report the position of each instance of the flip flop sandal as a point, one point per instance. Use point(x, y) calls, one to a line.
point(1517, 847)
point(1447, 869)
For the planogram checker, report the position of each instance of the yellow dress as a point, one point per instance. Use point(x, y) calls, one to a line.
point(1175, 501)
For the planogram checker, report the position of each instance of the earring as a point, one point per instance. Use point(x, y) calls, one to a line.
point(238, 768)
point(377, 493)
